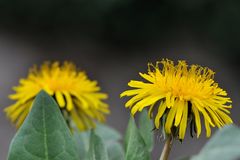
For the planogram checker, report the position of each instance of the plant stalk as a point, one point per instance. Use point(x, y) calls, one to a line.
point(167, 148)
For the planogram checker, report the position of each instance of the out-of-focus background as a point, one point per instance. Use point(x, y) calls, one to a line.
point(115, 39)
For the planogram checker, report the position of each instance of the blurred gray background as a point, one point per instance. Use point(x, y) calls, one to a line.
point(113, 41)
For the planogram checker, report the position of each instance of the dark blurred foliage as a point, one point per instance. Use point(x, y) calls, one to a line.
point(127, 22)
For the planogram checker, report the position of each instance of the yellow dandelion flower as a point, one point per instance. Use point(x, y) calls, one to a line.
point(180, 95)
point(78, 97)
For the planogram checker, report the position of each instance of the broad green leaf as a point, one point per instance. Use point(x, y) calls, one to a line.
point(44, 134)
point(97, 150)
point(224, 145)
point(145, 128)
point(82, 141)
point(110, 139)
point(107, 133)
point(115, 151)
point(134, 144)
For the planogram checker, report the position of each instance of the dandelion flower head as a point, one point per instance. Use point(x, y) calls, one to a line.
point(177, 95)
point(79, 98)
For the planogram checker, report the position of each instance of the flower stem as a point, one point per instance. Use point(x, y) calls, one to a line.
point(167, 148)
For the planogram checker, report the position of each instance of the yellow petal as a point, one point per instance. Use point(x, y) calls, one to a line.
point(134, 100)
point(81, 102)
point(170, 119)
point(224, 117)
point(60, 99)
point(11, 108)
point(144, 103)
point(215, 118)
point(77, 120)
point(16, 113)
point(138, 84)
point(147, 77)
point(69, 101)
point(134, 109)
point(205, 114)
point(161, 109)
point(48, 90)
point(180, 105)
point(183, 124)
point(150, 114)
point(168, 99)
point(149, 101)
point(208, 129)
point(130, 92)
point(197, 120)
point(22, 117)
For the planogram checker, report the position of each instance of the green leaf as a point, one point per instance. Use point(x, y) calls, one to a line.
point(224, 145)
point(134, 144)
point(97, 150)
point(107, 133)
point(110, 139)
point(145, 128)
point(44, 134)
point(82, 141)
point(115, 151)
